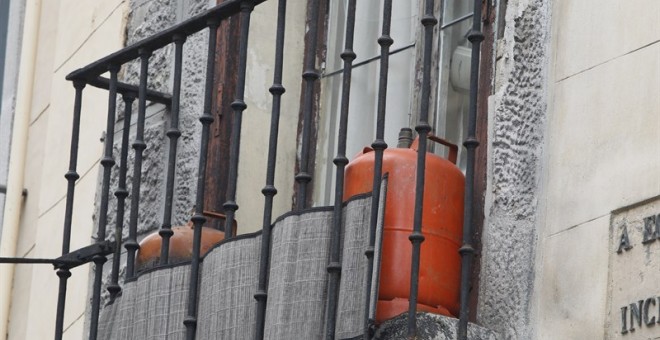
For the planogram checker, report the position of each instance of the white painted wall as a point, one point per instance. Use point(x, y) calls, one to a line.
point(256, 119)
point(72, 34)
point(602, 153)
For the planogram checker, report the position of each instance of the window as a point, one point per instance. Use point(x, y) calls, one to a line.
point(448, 117)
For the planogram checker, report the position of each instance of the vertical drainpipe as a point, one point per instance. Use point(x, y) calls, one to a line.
point(14, 198)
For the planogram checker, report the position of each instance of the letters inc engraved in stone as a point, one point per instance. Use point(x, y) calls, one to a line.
point(634, 275)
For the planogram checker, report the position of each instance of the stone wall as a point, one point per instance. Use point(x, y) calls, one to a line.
point(145, 18)
point(516, 139)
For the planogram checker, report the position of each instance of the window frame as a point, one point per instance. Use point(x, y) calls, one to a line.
point(489, 21)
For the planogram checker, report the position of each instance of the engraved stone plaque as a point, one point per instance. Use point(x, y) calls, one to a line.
point(634, 273)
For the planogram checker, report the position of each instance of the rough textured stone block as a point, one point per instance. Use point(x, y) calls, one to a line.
point(430, 327)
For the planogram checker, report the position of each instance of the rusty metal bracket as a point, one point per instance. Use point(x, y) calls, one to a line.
point(71, 260)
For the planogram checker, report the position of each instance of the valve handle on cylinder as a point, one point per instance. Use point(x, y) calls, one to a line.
point(453, 148)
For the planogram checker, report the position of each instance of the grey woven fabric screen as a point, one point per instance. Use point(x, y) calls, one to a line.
point(153, 306)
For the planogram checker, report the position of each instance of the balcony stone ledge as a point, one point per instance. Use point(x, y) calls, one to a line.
point(429, 327)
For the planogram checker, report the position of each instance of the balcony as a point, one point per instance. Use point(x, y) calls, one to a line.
point(306, 269)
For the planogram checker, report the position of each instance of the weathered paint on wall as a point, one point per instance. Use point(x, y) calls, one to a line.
point(601, 154)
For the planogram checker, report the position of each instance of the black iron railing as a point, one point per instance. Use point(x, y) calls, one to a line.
point(379, 146)
point(475, 36)
point(423, 128)
point(269, 191)
point(91, 75)
point(176, 35)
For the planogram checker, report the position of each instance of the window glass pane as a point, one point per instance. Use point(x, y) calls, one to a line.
point(454, 77)
point(454, 9)
point(364, 87)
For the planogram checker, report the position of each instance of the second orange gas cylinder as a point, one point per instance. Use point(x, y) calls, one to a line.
point(442, 225)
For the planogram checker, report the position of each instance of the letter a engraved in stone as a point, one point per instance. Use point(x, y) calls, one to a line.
point(647, 303)
point(624, 319)
point(650, 229)
point(624, 241)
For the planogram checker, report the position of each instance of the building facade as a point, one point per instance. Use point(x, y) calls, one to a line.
point(567, 205)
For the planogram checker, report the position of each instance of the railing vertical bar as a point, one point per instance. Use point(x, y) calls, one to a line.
point(475, 36)
point(422, 128)
point(379, 145)
point(173, 134)
point(198, 218)
point(310, 76)
point(107, 162)
point(238, 105)
point(121, 193)
point(139, 145)
point(269, 191)
point(334, 266)
point(71, 177)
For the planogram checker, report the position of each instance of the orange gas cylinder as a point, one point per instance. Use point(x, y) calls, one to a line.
point(181, 244)
point(442, 226)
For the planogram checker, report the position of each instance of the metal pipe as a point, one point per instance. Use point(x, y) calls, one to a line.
point(121, 193)
point(475, 36)
point(198, 218)
point(24, 260)
point(422, 128)
point(107, 162)
point(367, 61)
point(334, 265)
point(379, 145)
point(456, 21)
point(71, 177)
point(238, 105)
point(378, 253)
point(310, 76)
point(269, 191)
point(18, 153)
point(138, 145)
point(173, 134)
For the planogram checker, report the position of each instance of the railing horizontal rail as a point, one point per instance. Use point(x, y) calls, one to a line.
point(26, 260)
point(159, 40)
point(123, 88)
